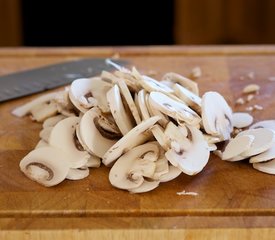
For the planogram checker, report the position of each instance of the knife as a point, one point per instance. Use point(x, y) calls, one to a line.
point(36, 80)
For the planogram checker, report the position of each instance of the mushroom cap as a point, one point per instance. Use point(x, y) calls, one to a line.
point(63, 137)
point(216, 115)
point(135, 137)
point(129, 170)
point(191, 161)
point(91, 136)
point(46, 165)
point(177, 110)
point(241, 119)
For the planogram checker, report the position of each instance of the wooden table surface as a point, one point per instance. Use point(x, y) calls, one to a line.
point(234, 200)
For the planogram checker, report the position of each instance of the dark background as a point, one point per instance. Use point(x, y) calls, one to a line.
point(84, 23)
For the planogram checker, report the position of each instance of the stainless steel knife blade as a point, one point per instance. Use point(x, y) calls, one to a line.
point(36, 80)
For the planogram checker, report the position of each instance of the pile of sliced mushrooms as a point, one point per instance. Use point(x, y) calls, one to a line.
point(146, 131)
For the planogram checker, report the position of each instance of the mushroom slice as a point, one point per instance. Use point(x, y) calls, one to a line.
point(46, 165)
point(150, 85)
point(129, 100)
point(172, 173)
point(94, 134)
point(26, 108)
point(172, 108)
point(175, 133)
point(193, 159)
point(143, 105)
point(266, 167)
point(45, 134)
point(241, 119)
point(190, 98)
point(129, 80)
point(237, 145)
point(264, 139)
point(86, 93)
point(264, 156)
point(211, 139)
point(162, 167)
point(146, 186)
point(78, 173)
point(52, 121)
point(129, 170)
point(161, 138)
point(264, 124)
point(183, 81)
point(135, 137)
point(216, 115)
point(43, 111)
point(63, 137)
point(123, 120)
point(41, 143)
point(93, 162)
point(212, 147)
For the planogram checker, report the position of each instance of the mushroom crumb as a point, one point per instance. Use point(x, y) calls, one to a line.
point(251, 88)
point(187, 193)
point(239, 101)
point(196, 73)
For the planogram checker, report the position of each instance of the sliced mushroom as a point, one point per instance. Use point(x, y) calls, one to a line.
point(41, 143)
point(267, 155)
point(152, 85)
point(26, 108)
point(143, 104)
point(63, 137)
point(129, 100)
point(93, 162)
point(146, 186)
point(216, 115)
point(129, 170)
point(45, 133)
point(46, 165)
point(241, 119)
point(177, 110)
point(78, 173)
point(43, 111)
point(183, 81)
point(264, 139)
point(160, 136)
point(94, 134)
point(237, 146)
point(135, 137)
point(86, 93)
point(172, 173)
point(123, 120)
point(190, 98)
point(266, 167)
point(52, 121)
point(264, 124)
point(190, 160)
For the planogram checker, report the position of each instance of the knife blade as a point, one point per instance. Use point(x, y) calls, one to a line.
point(36, 80)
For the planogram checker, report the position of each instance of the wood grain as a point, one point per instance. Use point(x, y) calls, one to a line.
point(234, 199)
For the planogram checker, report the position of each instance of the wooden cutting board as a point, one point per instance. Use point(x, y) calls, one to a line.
point(233, 198)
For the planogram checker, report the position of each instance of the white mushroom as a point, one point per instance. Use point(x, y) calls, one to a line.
point(97, 133)
point(86, 93)
point(237, 146)
point(241, 119)
point(150, 85)
point(264, 156)
point(122, 118)
point(46, 165)
point(45, 133)
point(146, 186)
point(183, 81)
point(173, 172)
point(63, 137)
point(264, 139)
point(216, 115)
point(52, 121)
point(143, 104)
point(190, 98)
point(41, 143)
point(266, 167)
point(190, 160)
point(129, 170)
point(161, 138)
point(264, 124)
point(177, 110)
point(43, 111)
point(78, 173)
point(135, 137)
point(26, 108)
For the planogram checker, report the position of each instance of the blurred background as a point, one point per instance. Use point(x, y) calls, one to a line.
point(102, 23)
